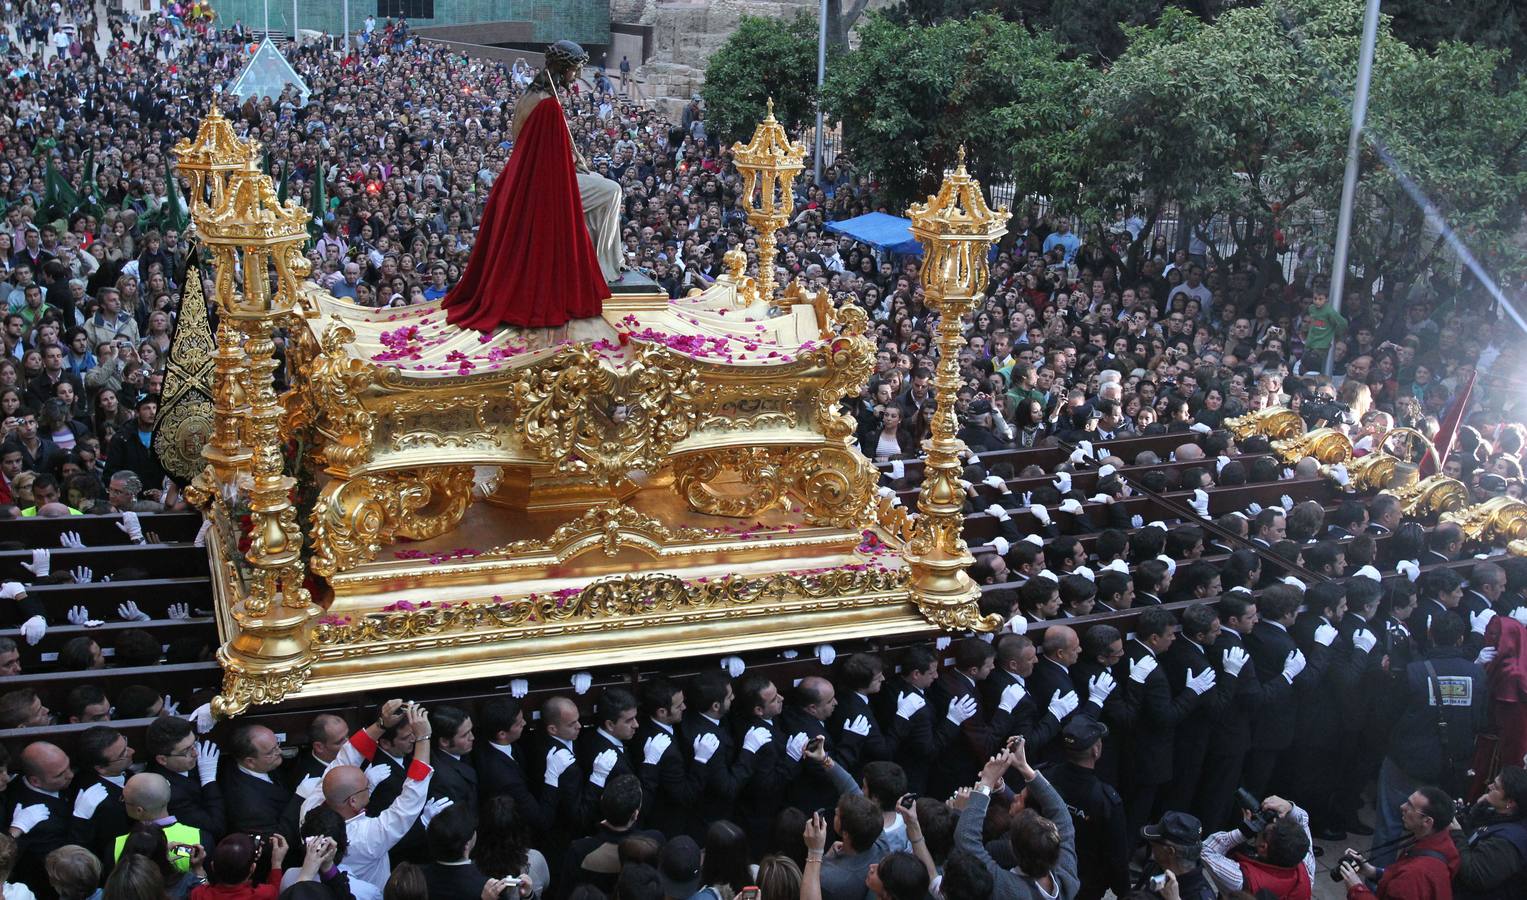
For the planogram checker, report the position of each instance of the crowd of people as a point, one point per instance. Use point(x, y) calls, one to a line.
point(1201, 753)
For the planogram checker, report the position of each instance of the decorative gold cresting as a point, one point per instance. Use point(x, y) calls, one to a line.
point(210, 159)
point(956, 229)
point(769, 164)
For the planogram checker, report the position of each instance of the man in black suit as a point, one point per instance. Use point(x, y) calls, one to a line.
point(1151, 578)
point(1148, 754)
point(1360, 752)
point(1315, 762)
point(255, 798)
point(956, 696)
point(1440, 592)
point(1384, 514)
point(501, 768)
point(191, 772)
point(721, 770)
point(1444, 544)
point(1230, 732)
point(1188, 657)
point(452, 834)
point(1280, 666)
point(454, 777)
point(42, 388)
point(1348, 520)
point(102, 757)
point(770, 768)
point(565, 786)
point(854, 726)
point(1015, 660)
point(1269, 527)
point(811, 704)
point(1103, 652)
point(326, 736)
point(41, 808)
point(671, 788)
point(918, 733)
point(610, 749)
point(1053, 690)
point(388, 774)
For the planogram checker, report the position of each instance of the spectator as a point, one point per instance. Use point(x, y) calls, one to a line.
point(1280, 858)
point(1425, 867)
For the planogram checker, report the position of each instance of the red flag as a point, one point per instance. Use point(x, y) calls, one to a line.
point(1447, 433)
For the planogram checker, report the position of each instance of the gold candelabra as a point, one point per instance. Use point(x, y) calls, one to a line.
point(769, 164)
point(956, 229)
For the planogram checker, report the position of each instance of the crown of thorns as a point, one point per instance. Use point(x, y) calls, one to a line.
point(566, 53)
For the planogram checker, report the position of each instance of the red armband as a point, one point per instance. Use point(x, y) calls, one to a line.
point(418, 771)
point(363, 744)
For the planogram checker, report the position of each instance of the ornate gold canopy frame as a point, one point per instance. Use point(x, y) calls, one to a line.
point(422, 503)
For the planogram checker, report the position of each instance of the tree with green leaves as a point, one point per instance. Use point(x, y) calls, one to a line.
point(763, 58)
point(911, 95)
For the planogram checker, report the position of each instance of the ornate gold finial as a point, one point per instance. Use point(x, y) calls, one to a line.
point(185, 426)
point(956, 228)
point(769, 164)
point(208, 159)
point(959, 158)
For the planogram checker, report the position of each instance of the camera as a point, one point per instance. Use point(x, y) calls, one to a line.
point(1260, 818)
point(1157, 882)
point(1350, 856)
point(1315, 410)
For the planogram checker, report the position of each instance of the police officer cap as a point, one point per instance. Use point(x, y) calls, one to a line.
point(1492, 483)
point(1082, 732)
point(1174, 828)
point(566, 53)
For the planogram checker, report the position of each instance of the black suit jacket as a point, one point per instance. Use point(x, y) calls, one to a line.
point(574, 800)
point(812, 788)
point(769, 774)
point(671, 789)
point(192, 802)
point(58, 829)
point(722, 777)
point(1320, 701)
point(963, 758)
point(1047, 682)
point(257, 805)
point(499, 774)
point(1195, 730)
point(465, 881)
point(853, 750)
point(1231, 734)
point(454, 778)
point(919, 740)
point(1275, 724)
point(1148, 759)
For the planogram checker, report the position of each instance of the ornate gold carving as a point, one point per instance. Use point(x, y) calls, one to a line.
point(614, 525)
point(1496, 519)
point(1374, 471)
point(209, 159)
point(580, 414)
point(353, 517)
point(1273, 423)
point(1325, 444)
point(242, 689)
point(443, 422)
point(185, 409)
point(735, 262)
point(759, 469)
point(956, 229)
point(334, 387)
point(1437, 494)
point(618, 602)
point(835, 485)
point(768, 165)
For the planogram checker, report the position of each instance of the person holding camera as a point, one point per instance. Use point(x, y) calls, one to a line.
point(1042, 840)
point(1271, 850)
point(1425, 866)
point(1175, 871)
point(1492, 841)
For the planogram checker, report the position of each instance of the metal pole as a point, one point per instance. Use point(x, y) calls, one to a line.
point(346, 43)
point(1349, 181)
point(267, 17)
point(294, 21)
point(816, 166)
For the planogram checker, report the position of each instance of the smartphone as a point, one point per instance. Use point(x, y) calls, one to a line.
point(750, 893)
point(1157, 882)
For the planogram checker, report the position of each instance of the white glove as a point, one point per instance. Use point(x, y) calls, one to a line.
point(1170, 563)
point(756, 737)
point(518, 688)
point(1085, 572)
point(942, 642)
point(1086, 448)
point(1254, 510)
point(1288, 474)
point(129, 612)
point(1200, 428)
point(581, 681)
point(908, 704)
point(994, 481)
point(1293, 665)
point(1046, 573)
point(1325, 634)
point(82, 574)
point(962, 709)
point(88, 799)
point(433, 808)
point(202, 719)
point(898, 469)
point(1016, 625)
point(604, 763)
point(1479, 621)
point(1201, 682)
point(1486, 656)
point(1140, 669)
point(1001, 545)
point(41, 565)
point(377, 774)
point(789, 653)
point(796, 745)
point(1288, 503)
point(1408, 568)
point(996, 509)
point(1012, 695)
point(826, 653)
point(179, 610)
point(557, 762)
point(733, 665)
point(78, 615)
point(207, 755)
point(1369, 572)
point(1063, 482)
point(1063, 705)
point(1099, 687)
point(131, 527)
point(1118, 565)
point(1026, 498)
point(886, 492)
point(71, 539)
point(1235, 660)
point(201, 533)
point(859, 725)
point(1100, 498)
point(1137, 521)
point(972, 460)
point(25, 818)
point(1294, 583)
point(1520, 615)
point(171, 708)
point(1034, 539)
point(1071, 505)
point(656, 746)
point(1364, 640)
point(705, 747)
point(33, 629)
point(1339, 472)
point(10, 590)
point(1077, 456)
point(1041, 514)
point(1220, 462)
point(1200, 502)
point(1105, 470)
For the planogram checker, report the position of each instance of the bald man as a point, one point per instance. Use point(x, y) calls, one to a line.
point(1188, 452)
point(808, 706)
point(326, 736)
point(1051, 682)
point(565, 784)
point(255, 800)
point(44, 782)
point(146, 798)
point(346, 790)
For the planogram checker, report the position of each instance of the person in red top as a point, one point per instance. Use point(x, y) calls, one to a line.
point(233, 866)
point(1425, 867)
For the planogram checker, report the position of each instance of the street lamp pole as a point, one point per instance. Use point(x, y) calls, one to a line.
point(1354, 152)
point(816, 164)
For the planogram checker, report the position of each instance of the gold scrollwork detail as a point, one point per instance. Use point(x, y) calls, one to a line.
point(615, 524)
point(579, 413)
point(1273, 423)
point(335, 385)
point(352, 518)
point(242, 689)
point(1499, 518)
point(1437, 494)
point(1327, 445)
point(453, 422)
point(759, 468)
point(835, 485)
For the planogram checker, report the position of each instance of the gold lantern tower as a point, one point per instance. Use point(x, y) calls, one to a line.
point(768, 164)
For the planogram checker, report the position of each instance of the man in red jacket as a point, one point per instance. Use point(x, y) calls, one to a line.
point(1425, 867)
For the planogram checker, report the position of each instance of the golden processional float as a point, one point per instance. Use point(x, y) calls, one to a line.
point(477, 507)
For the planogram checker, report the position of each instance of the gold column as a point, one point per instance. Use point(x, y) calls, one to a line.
point(769, 163)
point(956, 229)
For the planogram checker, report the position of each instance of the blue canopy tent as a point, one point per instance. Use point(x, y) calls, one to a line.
point(891, 234)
